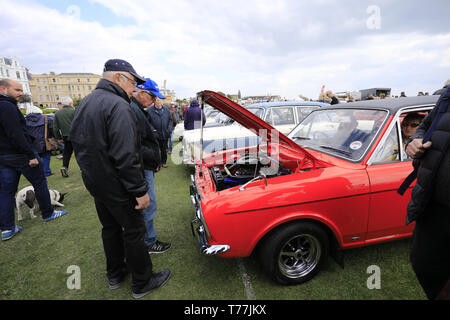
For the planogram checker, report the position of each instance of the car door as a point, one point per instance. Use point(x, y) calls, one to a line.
point(388, 167)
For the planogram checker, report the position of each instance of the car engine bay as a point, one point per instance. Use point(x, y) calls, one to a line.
point(245, 169)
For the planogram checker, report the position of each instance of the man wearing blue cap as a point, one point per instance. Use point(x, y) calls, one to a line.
point(107, 149)
point(160, 120)
point(151, 156)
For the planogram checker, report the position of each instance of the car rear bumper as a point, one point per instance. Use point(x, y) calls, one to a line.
point(199, 227)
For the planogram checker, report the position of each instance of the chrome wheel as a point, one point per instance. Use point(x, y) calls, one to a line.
point(299, 256)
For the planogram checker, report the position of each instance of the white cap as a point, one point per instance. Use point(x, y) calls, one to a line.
point(33, 109)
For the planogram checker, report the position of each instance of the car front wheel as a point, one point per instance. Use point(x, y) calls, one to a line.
point(294, 253)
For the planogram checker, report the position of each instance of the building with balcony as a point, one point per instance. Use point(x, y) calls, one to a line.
point(47, 89)
point(11, 69)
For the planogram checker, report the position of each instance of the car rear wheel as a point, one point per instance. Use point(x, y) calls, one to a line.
point(294, 253)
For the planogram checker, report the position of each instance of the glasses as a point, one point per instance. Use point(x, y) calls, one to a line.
point(150, 94)
point(412, 125)
point(134, 83)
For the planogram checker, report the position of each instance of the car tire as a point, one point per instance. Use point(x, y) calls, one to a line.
point(294, 253)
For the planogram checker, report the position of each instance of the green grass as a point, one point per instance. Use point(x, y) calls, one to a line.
point(34, 263)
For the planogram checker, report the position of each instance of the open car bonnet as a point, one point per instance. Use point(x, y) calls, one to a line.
point(250, 121)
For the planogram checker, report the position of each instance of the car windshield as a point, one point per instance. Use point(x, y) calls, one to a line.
point(224, 119)
point(259, 112)
point(345, 133)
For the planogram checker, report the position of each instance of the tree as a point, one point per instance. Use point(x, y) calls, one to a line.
point(76, 101)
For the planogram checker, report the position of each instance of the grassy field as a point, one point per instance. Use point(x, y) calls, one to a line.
point(34, 264)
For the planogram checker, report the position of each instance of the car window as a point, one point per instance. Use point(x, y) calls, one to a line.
point(212, 113)
point(389, 151)
point(259, 112)
point(346, 133)
point(280, 116)
point(222, 118)
point(393, 148)
point(303, 112)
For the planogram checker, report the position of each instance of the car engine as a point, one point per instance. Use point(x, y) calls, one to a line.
point(244, 169)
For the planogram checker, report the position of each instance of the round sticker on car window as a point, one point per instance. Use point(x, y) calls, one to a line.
point(355, 145)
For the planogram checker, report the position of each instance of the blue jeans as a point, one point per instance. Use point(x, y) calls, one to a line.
point(9, 181)
point(150, 212)
point(46, 156)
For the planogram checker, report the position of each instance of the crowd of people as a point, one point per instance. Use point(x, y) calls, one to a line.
point(133, 134)
point(122, 185)
point(329, 97)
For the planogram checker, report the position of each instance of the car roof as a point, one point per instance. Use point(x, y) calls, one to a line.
point(390, 104)
point(266, 105)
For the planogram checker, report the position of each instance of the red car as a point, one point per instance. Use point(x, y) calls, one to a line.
point(330, 185)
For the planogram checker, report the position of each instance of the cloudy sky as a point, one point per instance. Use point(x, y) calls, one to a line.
point(284, 47)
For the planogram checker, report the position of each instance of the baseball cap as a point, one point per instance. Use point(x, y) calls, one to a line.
point(151, 86)
point(122, 65)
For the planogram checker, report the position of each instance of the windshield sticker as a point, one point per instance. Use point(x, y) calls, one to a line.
point(355, 145)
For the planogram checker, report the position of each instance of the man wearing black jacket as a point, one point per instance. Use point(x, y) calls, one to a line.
point(430, 201)
point(17, 158)
point(151, 155)
point(107, 149)
point(160, 120)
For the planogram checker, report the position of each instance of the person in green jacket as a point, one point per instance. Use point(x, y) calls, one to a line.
point(61, 128)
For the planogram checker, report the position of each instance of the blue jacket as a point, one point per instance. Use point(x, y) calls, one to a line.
point(36, 129)
point(192, 118)
point(161, 123)
point(15, 142)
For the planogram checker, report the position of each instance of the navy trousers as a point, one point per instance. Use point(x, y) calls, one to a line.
point(123, 241)
point(9, 181)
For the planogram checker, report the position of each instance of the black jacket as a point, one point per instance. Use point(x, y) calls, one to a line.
point(440, 91)
point(107, 147)
point(151, 154)
point(15, 142)
point(433, 183)
point(334, 100)
point(161, 123)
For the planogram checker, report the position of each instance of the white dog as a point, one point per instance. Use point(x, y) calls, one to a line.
point(27, 196)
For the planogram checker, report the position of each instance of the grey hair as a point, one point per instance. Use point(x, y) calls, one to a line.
point(66, 100)
point(109, 74)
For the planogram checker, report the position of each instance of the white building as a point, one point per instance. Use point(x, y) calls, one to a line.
point(11, 69)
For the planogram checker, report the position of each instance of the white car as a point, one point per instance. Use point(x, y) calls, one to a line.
point(210, 115)
point(283, 115)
